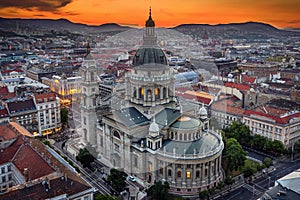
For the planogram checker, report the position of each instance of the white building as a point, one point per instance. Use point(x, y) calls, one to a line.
point(48, 107)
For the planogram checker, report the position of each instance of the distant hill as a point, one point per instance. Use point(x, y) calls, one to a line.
point(246, 27)
point(58, 24)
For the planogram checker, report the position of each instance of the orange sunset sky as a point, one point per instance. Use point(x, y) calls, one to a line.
point(166, 13)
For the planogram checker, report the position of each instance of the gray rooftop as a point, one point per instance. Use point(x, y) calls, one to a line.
point(167, 116)
point(129, 117)
point(205, 145)
point(186, 123)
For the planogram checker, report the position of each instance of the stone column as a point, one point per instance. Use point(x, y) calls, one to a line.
point(220, 164)
point(202, 173)
point(174, 173)
point(216, 168)
point(184, 175)
point(209, 172)
point(164, 170)
point(194, 175)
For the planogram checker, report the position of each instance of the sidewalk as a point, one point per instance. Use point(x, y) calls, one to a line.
point(239, 182)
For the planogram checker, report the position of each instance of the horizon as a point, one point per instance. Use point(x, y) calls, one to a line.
point(142, 26)
point(278, 13)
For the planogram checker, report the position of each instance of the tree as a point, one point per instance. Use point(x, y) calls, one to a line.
point(277, 147)
point(267, 162)
point(249, 171)
point(203, 194)
point(117, 179)
point(159, 190)
point(239, 131)
point(85, 158)
point(104, 197)
point(64, 116)
point(234, 155)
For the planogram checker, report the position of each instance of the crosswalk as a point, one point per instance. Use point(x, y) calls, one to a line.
point(251, 189)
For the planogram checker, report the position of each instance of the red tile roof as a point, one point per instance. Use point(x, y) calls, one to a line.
point(3, 113)
point(248, 79)
point(206, 101)
point(227, 105)
point(277, 119)
point(7, 95)
point(3, 90)
point(7, 154)
point(27, 158)
point(6, 133)
point(42, 98)
point(14, 70)
point(238, 86)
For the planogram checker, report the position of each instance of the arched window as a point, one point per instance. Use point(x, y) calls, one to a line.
point(157, 93)
point(117, 135)
point(185, 137)
point(164, 92)
point(149, 95)
point(172, 135)
point(161, 171)
point(188, 174)
point(169, 172)
point(141, 92)
point(134, 92)
point(198, 174)
point(178, 174)
point(180, 136)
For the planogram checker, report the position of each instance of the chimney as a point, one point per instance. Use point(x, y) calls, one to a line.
point(26, 174)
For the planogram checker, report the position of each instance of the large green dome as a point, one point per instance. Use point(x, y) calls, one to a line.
point(147, 55)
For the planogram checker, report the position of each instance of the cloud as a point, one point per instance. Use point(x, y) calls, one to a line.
point(41, 5)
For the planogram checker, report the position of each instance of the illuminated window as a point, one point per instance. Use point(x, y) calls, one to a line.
point(156, 91)
point(188, 174)
point(150, 167)
point(142, 91)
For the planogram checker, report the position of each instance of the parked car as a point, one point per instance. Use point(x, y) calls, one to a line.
point(131, 178)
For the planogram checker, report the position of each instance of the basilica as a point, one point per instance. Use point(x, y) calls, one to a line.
point(150, 136)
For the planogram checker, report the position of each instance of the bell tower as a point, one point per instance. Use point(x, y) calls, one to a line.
point(89, 89)
point(150, 37)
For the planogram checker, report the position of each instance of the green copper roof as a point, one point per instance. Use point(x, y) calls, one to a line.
point(147, 55)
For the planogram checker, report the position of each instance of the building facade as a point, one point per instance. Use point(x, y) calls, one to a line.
point(149, 136)
point(277, 120)
point(67, 89)
point(48, 107)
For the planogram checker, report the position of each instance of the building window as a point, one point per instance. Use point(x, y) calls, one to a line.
point(198, 174)
point(179, 174)
point(150, 167)
point(188, 175)
point(161, 170)
point(169, 172)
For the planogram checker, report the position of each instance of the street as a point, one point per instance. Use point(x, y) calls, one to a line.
point(256, 188)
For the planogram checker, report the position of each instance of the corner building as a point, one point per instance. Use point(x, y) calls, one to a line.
point(150, 137)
